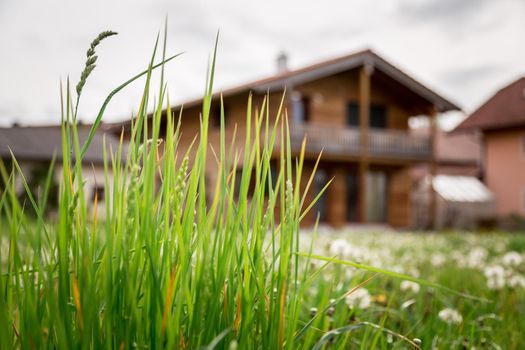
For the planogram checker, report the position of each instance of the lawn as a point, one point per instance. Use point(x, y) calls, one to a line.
point(488, 266)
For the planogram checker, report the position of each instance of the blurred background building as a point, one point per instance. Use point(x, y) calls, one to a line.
point(501, 122)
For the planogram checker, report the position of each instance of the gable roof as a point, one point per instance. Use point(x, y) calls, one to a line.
point(503, 110)
point(40, 143)
point(335, 66)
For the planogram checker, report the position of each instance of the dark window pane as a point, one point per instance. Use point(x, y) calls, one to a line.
point(352, 194)
point(215, 116)
point(306, 108)
point(352, 114)
point(300, 108)
point(98, 192)
point(378, 117)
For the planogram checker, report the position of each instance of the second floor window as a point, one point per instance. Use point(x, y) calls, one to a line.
point(98, 192)
point(377, 116)
point(352, 114)
point(215, 116)
point(300, 108)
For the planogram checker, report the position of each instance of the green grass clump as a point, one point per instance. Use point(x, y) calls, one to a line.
point(171, 266)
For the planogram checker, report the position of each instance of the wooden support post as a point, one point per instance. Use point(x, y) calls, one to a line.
point(364, 117)
point(433, 168)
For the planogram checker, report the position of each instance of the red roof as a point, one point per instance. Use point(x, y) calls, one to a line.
point(503, 110)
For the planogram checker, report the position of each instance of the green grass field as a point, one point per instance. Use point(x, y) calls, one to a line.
point(174, 265)
point(489, 266)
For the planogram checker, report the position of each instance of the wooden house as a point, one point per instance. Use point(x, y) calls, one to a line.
point(355, 108)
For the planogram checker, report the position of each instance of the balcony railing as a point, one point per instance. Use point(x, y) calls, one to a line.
point(345, 141)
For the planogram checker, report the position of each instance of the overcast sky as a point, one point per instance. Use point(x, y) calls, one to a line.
point(464, 49)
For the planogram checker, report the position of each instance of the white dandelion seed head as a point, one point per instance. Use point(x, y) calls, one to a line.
point(495, 276)
point(359, 299)
point(340, 247)
point(512, 258)
point(476, 257)
point(437, 259)
point(516, 281)
point(450, 316)
point(409, 286)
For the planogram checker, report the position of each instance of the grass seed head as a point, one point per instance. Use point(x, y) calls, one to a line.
point(91, 59)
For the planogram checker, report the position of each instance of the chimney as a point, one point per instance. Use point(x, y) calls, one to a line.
point(282, 62)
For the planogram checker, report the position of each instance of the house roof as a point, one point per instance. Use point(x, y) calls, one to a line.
point(461, 189)
point(503, 110)
point(334, 66)
point(41, 143)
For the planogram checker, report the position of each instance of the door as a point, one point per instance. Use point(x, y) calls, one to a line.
point(320, 181)
point(376, 196)
point(352, 196)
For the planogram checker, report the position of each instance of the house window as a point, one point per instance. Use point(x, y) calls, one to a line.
point(250, 186)
point(98, 192)
point(352, 114)
point(306, 108)
point(274, 174)
point(301, 105)
point(215, 116)
point(377, 116)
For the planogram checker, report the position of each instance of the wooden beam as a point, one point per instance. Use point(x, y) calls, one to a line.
point(364, 107)
point(433, 168)
point(364, 117)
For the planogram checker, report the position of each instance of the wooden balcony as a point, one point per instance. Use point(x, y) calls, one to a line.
point(345, 141)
